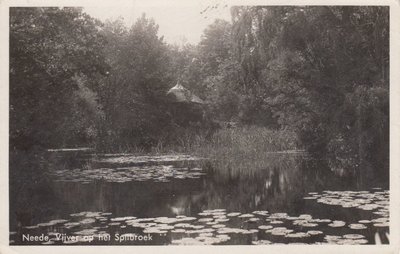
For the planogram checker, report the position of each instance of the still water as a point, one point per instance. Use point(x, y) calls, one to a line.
point(105, 199)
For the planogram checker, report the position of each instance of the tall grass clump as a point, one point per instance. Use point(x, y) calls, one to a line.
point(247, 148)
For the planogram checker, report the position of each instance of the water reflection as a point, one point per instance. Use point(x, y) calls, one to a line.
point(279, 187)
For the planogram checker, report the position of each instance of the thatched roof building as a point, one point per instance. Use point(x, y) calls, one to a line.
point(178, 93)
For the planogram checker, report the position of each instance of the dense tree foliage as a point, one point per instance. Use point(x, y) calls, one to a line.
point(320, 71)
point(55, 60)
point(133, 94)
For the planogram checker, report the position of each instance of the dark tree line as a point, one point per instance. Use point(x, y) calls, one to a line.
point(55, 62)
point(321, 71)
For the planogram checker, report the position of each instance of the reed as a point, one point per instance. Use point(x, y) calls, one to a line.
point(246, 148)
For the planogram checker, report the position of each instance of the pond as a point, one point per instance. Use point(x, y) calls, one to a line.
point(107, 199)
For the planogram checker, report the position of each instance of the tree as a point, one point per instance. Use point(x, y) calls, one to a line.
point(322, 71)
point(133, 95)
point(54, 53)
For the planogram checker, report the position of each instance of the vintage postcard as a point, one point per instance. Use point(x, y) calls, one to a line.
point(260, 126)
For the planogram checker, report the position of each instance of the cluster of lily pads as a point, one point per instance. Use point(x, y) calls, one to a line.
point(218, 226)
point(140, 160)
point(156, 173)
point(377, 202)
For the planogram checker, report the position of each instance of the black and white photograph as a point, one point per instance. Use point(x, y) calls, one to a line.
point(199, 123)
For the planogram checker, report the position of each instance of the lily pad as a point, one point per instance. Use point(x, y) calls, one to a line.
point(352, 241)
point(71, 224)
point(86, 232)
point(218, 226)
point(265, 227)
point(261, 242)
point(276, 222)
point(123, 218)
point(382, 224)
point(206, 234)
point(364, 221)
point(357, 226)
point(246, 215)
point(87, 221)
point(205, 220)
point(332, 238)
point(337, 224)
point(154, 231)
point(305, 217)
point(32, 227)
point(263, 213)
point(314, 232)
point(233, 214)
point(58, 221)
point(48, 242)
point(298, 235)
point(309, 225)
point(353, 236)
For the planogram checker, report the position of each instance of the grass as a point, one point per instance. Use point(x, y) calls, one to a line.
point(243, 148)
point(246, 148)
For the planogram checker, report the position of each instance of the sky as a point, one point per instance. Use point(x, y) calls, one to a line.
point(179, 22)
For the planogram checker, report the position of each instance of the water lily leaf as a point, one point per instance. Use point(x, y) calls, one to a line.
point(218, 226)
point(58, 221)
point(87, 221)
point(86, 232)
point(154, 231)
point(223, 237)
point(48, 242)
point(33, 227)
point(265, 227)
point(383, 219)
point(206, 234)
point(212, 222)
point(368, 207)
point(71, 224)
point(332, 237)
point(305, 217)
point(263, 213)
point(357, 226)
point(382, 224)
point(187, 241)
point(46, 224)
point(353, 236)
point(183, 225)
point(276, 222)
point(261, 242)
point(233, 214)
point(123, 218)
point(278, 215)
point(337, 224)
point(197, 226)
point(246, 215)
point(352, 241)
point(314, 232)
point(321, 220)
point(298, 235)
